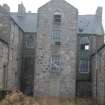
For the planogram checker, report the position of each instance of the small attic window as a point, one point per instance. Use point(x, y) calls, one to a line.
point(57, 18)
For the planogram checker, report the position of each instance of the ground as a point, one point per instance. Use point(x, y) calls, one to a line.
point(18, 98)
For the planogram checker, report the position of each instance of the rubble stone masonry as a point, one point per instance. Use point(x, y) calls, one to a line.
point(61, 82)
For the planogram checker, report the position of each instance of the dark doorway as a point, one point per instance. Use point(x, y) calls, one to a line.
point(27, 75)
point(84, 89)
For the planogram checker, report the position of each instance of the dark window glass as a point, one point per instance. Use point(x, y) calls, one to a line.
point(29, 41)
point(57, 19)
point(82, 46)
point(85, 46)
point(56, 37)
point(84, 66)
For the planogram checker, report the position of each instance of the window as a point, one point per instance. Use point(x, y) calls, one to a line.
point(29, 41)
point(82, 46)
point(55, 63)
point(57, 19)
point(85, 46)
point(84, 66)
point(84, 43)
point(56, 36)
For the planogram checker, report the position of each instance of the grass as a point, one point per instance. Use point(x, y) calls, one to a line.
point(18, 98)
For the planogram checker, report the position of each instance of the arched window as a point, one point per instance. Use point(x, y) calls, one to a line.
point(57, 18)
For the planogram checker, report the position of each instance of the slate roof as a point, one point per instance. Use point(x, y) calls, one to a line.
point(27, 23)
point(88, 24)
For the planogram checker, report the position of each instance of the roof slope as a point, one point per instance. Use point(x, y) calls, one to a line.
point(27, 23)
point(88, 24)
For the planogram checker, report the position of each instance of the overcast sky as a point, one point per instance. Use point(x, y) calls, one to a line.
point(83, 6)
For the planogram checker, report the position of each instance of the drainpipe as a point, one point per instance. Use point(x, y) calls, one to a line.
point(96, 67)
point(104, 78)
point(7, 72)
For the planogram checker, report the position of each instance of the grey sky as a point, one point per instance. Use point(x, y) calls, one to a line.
point(83, 6)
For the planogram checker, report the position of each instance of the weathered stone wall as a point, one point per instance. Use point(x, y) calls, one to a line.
point(83, 76)
point(60, 83)
point(14, 66)
point(3, 64)
point(4, 24)
point(28, 63)
point(96, 41)
point(98, 75)
point(4, 44)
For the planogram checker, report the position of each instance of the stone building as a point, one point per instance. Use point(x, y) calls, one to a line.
point(10, 48)
point(97, 61)
point(27, 23)
point(3, 63)
point(15, 48)
point(56, 49)
point(98, 74)
point(4, 41)
point(48, 53)
point(90, 38)
point(19, 40)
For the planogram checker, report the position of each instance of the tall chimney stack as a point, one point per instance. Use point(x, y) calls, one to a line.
point(99, 14)
point(6, 7)
point(21, 10)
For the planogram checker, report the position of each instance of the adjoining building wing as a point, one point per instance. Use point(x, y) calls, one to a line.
point(88, 24)
point(27, 22)
point(4, 23)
